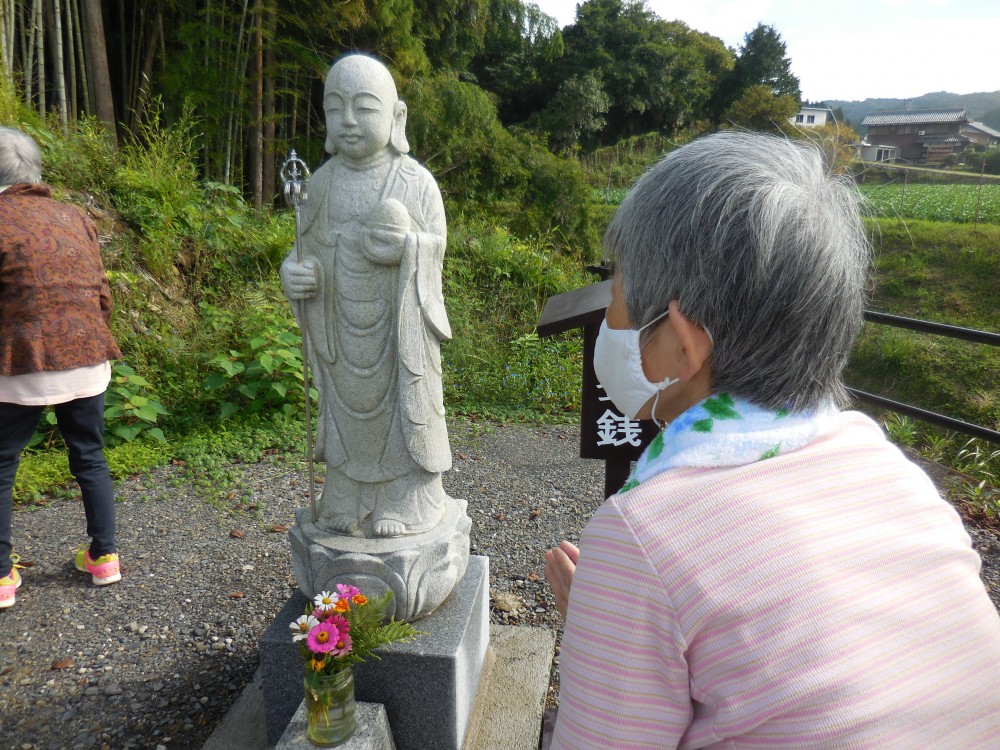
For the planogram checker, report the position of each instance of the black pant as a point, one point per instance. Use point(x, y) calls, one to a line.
point(81, 423)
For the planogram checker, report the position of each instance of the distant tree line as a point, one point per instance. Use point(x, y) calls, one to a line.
point(247, 74)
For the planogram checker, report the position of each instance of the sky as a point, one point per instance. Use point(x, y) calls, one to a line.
point(852, 49)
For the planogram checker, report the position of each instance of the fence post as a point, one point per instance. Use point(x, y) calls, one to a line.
point(902, 195)
point(979, 200)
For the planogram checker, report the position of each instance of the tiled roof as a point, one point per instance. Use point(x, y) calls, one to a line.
point(913, 116)
point(984, 128)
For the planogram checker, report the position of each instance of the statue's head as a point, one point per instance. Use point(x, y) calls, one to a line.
point(364, 115)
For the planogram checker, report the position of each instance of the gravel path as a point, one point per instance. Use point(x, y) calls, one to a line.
point(156, 660)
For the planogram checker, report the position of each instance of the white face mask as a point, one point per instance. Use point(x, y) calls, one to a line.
point(618, 365)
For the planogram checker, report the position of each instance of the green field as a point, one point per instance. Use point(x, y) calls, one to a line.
point(956, 203)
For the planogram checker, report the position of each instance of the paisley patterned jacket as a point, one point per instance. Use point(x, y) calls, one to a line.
point(55, 302)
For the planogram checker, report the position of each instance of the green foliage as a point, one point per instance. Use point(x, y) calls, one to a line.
point(613, 169)
point(761, 77)
point(576, 113)
point(759, 108)
point(82, 160)
point(556, 201)
point(453, 129)
point(951, 203)
point(519, 44)
point(130, 407)
point(452, 31)
point(659, 75)
point(263, 373)
point(901, 429)
point(495, 286)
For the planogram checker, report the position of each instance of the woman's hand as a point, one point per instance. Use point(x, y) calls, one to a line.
point(560, 565)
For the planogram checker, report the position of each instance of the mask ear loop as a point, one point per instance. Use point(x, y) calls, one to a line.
point(661, 386)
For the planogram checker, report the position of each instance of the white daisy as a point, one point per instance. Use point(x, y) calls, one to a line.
point(325, 601)
point(301, 627)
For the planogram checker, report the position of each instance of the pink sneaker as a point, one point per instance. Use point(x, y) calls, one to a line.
point(9, 584)
point(105, 569)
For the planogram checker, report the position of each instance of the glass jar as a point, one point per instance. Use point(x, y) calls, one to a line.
point(329, 707)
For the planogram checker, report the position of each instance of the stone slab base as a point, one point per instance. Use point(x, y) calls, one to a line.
point(372, 733)
point(428, 686)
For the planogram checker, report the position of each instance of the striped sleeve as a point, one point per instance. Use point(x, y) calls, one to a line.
point(624, 679)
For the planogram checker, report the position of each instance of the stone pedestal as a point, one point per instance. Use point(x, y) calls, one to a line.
point(428, 686)
point(420, 569)
point(372, 733)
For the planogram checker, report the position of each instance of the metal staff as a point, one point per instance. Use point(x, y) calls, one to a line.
point(294, 175)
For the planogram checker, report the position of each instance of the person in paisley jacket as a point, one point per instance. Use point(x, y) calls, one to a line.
point(55, 347)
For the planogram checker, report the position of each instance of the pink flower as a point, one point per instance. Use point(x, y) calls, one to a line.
point(346, 591)
point(323, 638)
point(343, 646)
point(340, 623)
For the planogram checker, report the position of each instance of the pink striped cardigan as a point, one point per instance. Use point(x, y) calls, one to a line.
point(826, 598)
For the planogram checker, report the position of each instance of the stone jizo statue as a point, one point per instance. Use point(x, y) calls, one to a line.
point(368, 295)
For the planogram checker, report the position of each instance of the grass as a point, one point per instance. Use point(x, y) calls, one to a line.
point(947, 273)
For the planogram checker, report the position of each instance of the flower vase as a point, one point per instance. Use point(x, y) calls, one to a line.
point(329, 707)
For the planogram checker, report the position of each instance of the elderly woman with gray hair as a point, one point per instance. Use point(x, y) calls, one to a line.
point(55, 347)
point(774, 573)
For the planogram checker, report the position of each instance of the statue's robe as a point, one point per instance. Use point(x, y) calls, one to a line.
point(374, 330)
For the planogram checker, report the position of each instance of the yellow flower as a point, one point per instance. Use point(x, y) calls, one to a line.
point(360, 599)
point(317, 665)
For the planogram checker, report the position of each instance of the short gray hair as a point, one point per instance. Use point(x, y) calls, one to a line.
point(761, 246)
point(20, 159)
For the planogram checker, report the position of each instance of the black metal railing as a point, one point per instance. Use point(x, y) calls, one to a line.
point(939, 329)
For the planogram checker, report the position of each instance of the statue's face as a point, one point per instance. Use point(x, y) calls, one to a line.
point(359, 103)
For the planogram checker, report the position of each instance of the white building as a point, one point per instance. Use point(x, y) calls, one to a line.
point(813, 117)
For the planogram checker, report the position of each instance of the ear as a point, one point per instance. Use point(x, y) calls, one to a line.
point(397, 135)
point(694, 344)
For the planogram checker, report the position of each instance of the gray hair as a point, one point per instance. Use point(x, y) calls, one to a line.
point(761, 246)
point(20, 159)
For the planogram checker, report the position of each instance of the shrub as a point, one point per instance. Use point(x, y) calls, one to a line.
point(262, 369)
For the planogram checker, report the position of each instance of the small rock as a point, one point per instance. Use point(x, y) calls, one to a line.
point(506, 602)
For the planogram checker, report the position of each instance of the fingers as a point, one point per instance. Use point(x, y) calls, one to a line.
point(299, 279)
point(560, 566)
point(571, 551)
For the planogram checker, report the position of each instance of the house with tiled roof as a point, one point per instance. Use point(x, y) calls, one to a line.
point(924, 136)
point(982, 135)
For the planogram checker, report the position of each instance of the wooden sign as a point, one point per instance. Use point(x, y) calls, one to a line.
point(605, 433)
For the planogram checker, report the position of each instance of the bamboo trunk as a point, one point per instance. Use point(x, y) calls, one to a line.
point(41, 57)
point(98, 57)
point(4, 58)
point(71, 54)
point(81, 63)
point(147, 68)
point(268, 178)
point(60, 67)
point(257, 153)
point(28, 64)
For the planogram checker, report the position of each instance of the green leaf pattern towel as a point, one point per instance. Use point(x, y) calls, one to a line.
point(726, 431)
